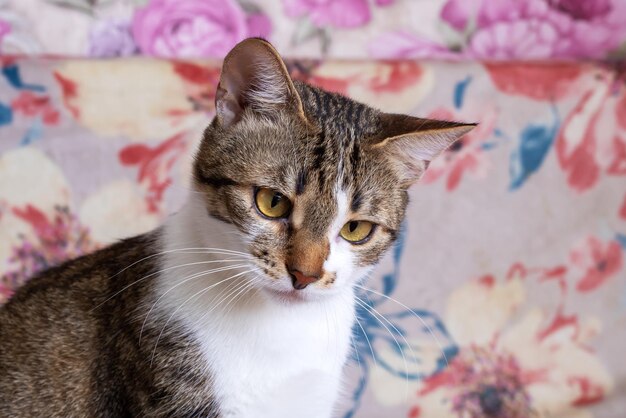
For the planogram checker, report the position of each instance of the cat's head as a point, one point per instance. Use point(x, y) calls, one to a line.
point(315, 183)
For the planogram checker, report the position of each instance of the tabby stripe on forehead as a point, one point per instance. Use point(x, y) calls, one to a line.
point(218, 182)
point(355, 154)
point(357, 201)
point(301, 182)
point(215, 181)
point(319, 151)
point(346, 121)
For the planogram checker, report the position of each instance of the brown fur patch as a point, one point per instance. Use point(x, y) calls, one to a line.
point(69, 344)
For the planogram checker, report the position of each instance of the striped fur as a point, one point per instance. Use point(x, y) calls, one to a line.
point(139, 328)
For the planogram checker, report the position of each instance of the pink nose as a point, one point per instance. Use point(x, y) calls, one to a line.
point(300, 280)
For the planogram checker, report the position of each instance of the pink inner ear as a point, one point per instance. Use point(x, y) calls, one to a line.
point(227, 107)
point(253, 75)
point(412, 153)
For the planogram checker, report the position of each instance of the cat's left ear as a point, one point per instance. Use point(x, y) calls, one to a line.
point(254, 78)
point(412, 143)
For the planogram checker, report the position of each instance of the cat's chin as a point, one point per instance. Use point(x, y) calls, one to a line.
point(291, 296)
point(287, 296)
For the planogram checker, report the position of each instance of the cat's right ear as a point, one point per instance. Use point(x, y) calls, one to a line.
point(254, 77)
point(410, 144)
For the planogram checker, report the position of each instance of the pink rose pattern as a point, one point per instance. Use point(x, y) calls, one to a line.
point(58, 239)
point(339, 13)
point(511, 29)
point(179, 28)
point(498, 377)
point(449, 29)
point(170, 28)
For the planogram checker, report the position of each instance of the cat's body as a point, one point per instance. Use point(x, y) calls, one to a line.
point(79, 327)
point(67, 351)
point(242, 304)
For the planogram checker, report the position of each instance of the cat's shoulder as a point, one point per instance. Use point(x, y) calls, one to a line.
point(90, 275)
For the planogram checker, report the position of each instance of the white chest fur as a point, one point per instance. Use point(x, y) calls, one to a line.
point(267, 359)
point(278, 361)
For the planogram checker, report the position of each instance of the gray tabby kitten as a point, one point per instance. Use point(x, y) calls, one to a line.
point(242, 304)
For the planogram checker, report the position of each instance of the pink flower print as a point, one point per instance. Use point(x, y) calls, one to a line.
point(58, 239)
point(459, 13)
point(338, 13)
point(599, 261)
point(592, 139)
point(540, 81)
point(154, 166)
point(31, 104)
point(557, 29)
point(484, 383)
point(402, 44)
point(512, 29)
point(507, 355)
point(259, 25)
point(576, 143)
point(583, 9)
point(191, 28)
point(200, 84)
point(69, 90)
point(528, 39)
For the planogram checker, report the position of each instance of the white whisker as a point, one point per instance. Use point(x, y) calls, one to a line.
point(415, 359)
point(406, 367)
point(366, 339)
point(219, 302)
point(202, 249)
point(197, 294)
point(183, 281)
point(164, 270)
point(428, 327)
point(240, 294)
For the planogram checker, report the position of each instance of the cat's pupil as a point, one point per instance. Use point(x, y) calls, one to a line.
point(276, 199)
point(353, 225)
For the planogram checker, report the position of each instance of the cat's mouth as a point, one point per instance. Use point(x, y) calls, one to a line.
point(288, 296)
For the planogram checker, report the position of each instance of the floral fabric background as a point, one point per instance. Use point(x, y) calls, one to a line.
point(505, 296)
point(513, 306)
point(451, 29)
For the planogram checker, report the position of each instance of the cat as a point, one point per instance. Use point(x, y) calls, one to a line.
point(242, 303)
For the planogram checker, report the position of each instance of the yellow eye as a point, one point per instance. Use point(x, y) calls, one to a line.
point(356, 231)
point(272, 203)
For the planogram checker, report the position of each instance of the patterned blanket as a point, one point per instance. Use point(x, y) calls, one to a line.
point(506, 292)
point(363, 29)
